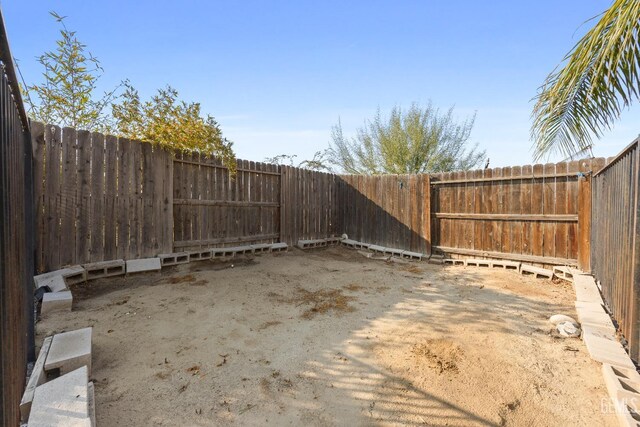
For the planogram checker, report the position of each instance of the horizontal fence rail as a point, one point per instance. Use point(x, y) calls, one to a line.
point(615, 240)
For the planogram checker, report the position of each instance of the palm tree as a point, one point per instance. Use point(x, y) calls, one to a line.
point(598, 79)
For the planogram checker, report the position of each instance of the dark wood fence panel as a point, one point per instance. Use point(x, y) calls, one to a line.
point(387, 210)
point(527, 213)
point(615, 240)
point(212, 208)
point(16, 241)
point(309, 205)
point(99, 197)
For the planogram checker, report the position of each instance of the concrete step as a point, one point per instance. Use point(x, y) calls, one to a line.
point(56, 301)
point(38, 377)
point(63, 401)
point(69, 351)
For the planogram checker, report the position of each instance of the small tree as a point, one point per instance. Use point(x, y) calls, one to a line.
point(420, 140)
point(67, 96)
point(168, 122)
point(318, 162)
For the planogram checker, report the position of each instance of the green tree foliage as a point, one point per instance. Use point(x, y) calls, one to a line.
point(599, 78)
point(67, 96)
point(318, 162)
point(419, 140)
point(166, 121)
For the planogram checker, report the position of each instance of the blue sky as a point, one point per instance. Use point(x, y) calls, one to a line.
point(278, 74)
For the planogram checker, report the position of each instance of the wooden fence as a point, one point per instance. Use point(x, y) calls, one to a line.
point(99, 198)
point(537, 214)
point(16, 241)
point(615, 240)
point(387, 210)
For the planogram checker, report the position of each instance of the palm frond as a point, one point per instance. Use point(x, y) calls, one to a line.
point(599, 78)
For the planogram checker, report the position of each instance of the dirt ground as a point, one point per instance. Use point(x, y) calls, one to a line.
point(328, 337)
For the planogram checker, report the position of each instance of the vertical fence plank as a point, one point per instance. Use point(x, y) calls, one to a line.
point(67, 204)
point(97, 206)
point(83, 197)
point(110, 199)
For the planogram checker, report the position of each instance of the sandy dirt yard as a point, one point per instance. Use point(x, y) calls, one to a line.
point(331, 338)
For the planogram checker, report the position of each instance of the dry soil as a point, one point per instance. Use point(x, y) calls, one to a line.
point(328, 337)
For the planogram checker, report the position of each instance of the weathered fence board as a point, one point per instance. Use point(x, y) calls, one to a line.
point(99, 198)
point(615, 240)
point(529, 212)
point(17, 233)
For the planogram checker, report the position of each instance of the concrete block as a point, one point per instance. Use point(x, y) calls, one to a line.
point(507, 265)
point(200, 255)
point(349, 243)
point(38, 377)
point(222, 253)
point(393, 252)
point(593, 314)
point(479, 262)
point(176, 258)
point(411, 255)
point(241, 250)
point(377, 248)
point(279, 247)
point(436, 260)
point(56, 301)
point(63, 401)
point(55, 283)
point(621, 380)
point(598, 331)
point(455, 261)
point(563, 272)
point(98, 270)
point(586, 289)
point(143, 265)
point(91, 394)
point(333, 240)
point(261, 248)
point(606, 351)
point(362, 246)
point(537, 272)
point(71, 275)
point(69, 351)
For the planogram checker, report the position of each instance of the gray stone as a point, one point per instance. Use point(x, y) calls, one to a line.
point(56, 301)
point(568, 329)
point(38, 377)
point(167, 260)
point(537, 272)
point(143, 265)
point(63, 401)
point(69, 351)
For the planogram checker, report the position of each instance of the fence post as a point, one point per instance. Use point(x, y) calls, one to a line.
point(634, 343)
point(426, 221)
point(584, 223)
